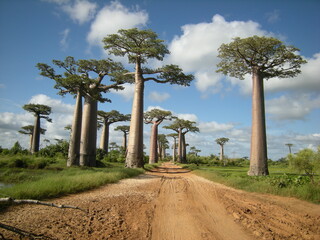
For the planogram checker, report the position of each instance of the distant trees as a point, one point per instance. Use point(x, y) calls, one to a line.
point(182, 127)
point(28, 130)
point(155, 117)
point(107, 118)
point(289, 146)
point(39, 111)
point(140, 46)
point(125, 130)
point(174, 145)
point(78, 79)
point(263, 58)
point(222, 141)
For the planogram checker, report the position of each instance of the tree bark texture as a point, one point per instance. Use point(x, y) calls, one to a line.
point(74, 145)
point(153, 156)
point(89, 133)
point(258, 152)
point(184, 149)
point(104, 141)
point(174, 152)
point(36, 135)
point(124, 143)
point(180, 146)
point(134, 157)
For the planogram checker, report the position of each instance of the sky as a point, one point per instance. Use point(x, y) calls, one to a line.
point(38, 31)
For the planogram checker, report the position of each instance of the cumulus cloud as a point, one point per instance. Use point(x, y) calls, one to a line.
point(292, 107)
point(211, 127)
point(196, 50)
point(127, 93)
point(113, 17)
point(81, 11)
point(158, 97)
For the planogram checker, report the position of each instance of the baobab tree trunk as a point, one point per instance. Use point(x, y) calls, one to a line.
point(153, 156)
point(222, 155)
point(184, 149)
point(258, 153)
point(104, 141)
point(88, 133)
point(36, 135)
point(74, 145)
point(180, 146)
point(134, 157)
point(174, 152)
point(124, 143)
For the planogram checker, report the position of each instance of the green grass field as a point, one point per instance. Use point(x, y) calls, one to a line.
point(281, 181)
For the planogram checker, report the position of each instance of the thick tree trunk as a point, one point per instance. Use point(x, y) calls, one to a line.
point(74, 145)
point(222, 155)
point(180, 146)
point(153, 156)
point(104, 141)
point(258, 154)
point(134, 157)
point(124, 144)
point(174, 152)
point(31, 137)
point(184, 149)
point(89, 133)
point(36, 135)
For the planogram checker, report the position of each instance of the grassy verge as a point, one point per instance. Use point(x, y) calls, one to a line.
point(281, 181)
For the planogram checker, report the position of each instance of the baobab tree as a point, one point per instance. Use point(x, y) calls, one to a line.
point(263, 58)
point(39, 111)
point(140, 46)
point(222, 141)
point(155, 117)
point(289, 146)
point(70, 82)
point(125, 129)
point(162, 145)
point(182, 127)
point(107, 118)
point(174, 145)
point(28, 130)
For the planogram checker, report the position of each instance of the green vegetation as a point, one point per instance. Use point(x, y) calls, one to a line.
point(297, 175)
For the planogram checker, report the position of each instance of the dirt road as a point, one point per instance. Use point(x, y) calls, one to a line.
point(168, 204)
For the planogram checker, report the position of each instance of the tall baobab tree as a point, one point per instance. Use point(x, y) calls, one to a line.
point(107, 118)
point(39, 111)
point(139, 46)
point(174, 145)
point(182, 127)
point(28, 130)
point(155, 117)
point(162, 145)
point(263, 58)
point(222, 141)
point(125, 129)
point(289, 146)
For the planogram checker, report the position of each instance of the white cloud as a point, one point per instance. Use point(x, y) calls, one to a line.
point(196, 50)
point(64, 40)
point(187, 116)
point(113, 17)
point(292, 107)
point(273, 17)
point(56, 105)
point(81, 11)
point(211, 127)
point(127, 93)
point(158, 97)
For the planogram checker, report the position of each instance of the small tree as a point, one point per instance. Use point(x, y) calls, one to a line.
point(140, 46)
point(107, 118)
point(155, 117)
point(306, 160)
point(263, 58)
point(39, 111)
point(28, 130)
point(222, 141)
point(289, 146)
point(182, 127)
point(125, 129)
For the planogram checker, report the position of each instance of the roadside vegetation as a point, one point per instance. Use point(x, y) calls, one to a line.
point(44, 175)
point(297, 175)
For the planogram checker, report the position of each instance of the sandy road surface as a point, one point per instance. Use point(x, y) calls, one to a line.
point(169, 203)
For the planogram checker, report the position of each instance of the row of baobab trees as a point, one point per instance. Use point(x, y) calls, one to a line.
point(262, 57)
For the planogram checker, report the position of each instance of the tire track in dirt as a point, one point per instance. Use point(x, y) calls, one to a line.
point(169, 203)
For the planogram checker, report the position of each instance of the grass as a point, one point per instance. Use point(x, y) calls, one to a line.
point(39, 178)
point(281, 181)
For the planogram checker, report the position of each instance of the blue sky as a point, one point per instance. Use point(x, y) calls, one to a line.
point(33, 31)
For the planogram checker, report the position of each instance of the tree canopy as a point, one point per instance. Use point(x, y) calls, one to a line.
point(39, 110)
point(268, 55)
